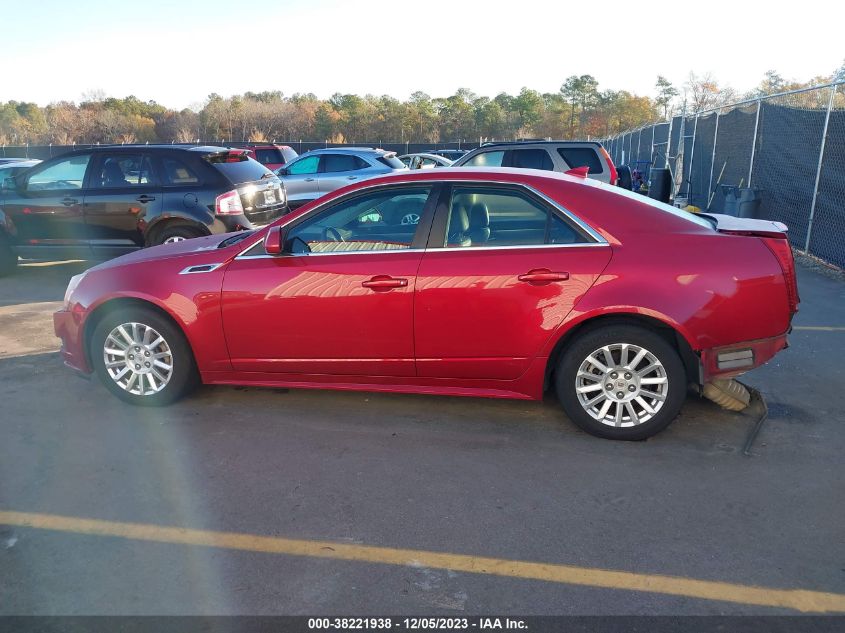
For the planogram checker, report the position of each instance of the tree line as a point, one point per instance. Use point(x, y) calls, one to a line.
point(578, 110)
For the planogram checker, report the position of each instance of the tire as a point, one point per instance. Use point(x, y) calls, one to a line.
point(8, 257)
point(175, 233)
point(160, 387)
point(642, 415)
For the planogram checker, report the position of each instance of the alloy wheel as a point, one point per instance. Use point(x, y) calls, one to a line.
point(622, 385)
point(138, 359)
point(173, 239)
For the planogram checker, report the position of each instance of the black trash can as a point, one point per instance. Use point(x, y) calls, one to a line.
point(748, 204)
point(660, 184)
point(731, 193)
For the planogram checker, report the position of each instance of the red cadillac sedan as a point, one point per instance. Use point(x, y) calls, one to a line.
point(475, 282)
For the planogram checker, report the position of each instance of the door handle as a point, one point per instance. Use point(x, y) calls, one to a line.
point(352, 177)
point(542, 276)
point(309, 180)
point(69, 202)
point(384, 282)
point(144, 199)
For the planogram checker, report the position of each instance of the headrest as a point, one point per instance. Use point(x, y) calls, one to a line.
point(479, 216)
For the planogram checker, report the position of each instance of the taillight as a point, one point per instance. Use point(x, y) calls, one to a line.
point(611, 166)
point(228, 203)
point(783, 252)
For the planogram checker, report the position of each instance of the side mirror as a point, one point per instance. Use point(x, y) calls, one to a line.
point(281, 171)
point(274, 242)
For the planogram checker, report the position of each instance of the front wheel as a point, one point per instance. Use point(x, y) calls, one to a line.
point(621, 382)
point(142, 357)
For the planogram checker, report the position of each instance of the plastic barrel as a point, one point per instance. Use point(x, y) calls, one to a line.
point(660, 184)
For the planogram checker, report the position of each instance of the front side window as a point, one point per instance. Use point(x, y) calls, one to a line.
point(65, 174)
point(376, 221)
point(495, 217)
point(122, 170)
point(307, 165)
point(486, 159)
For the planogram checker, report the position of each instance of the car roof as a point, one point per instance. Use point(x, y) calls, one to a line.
point(349, 150)
point(491, 174)
point(538, 142)
point(24, 162)
point(424, 155)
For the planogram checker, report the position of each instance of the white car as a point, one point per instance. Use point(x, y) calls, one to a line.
point(425, 161)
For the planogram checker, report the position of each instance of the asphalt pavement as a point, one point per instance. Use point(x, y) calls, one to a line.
point(463, 477)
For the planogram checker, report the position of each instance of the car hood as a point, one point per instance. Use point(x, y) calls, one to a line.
point(193, 246)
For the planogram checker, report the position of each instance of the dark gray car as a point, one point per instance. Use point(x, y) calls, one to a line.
point(320, 171)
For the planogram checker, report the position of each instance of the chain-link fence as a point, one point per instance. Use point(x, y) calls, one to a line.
point(790, 147)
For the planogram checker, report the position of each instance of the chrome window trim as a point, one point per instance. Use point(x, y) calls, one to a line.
point(207, 268)
point(595, 235)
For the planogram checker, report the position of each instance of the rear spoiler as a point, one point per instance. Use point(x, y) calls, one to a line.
point(746, 226)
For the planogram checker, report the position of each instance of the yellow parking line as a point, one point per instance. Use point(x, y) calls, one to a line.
point(798, 599)
point(819, 328)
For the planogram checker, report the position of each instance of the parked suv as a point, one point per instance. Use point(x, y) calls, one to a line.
point(323, 170)
point(548, 155)
point(111, 200)
point(270, 155)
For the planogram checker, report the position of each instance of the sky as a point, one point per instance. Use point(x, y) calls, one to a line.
point(177, 52)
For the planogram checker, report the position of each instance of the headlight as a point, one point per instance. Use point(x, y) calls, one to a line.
point(71, 286)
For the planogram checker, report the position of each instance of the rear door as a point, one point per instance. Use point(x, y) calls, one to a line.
point(123, 195)
point(502, 270)
point(46, 207)
point(339, 170)
point(529, 158)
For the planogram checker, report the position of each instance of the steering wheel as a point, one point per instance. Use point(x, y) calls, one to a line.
point(410, 218)
point(333, 233)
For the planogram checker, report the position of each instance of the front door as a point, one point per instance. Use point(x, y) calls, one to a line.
point(123, 194)
point(340, 301)
point(502, 270)
point(46, 209)
point(300, 178)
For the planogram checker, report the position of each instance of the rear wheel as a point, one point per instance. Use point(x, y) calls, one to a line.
point(621, 382)
point(142, 357)
point(176, 233)
point(8, 257)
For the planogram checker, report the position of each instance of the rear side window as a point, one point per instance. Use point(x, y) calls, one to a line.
point(580, 157)
point(391, 161)
point(178, 173)
point(123, 170)
point(496, 217)
point(269, 155)
point(531, 159)
point(486, 159)
point(342, 162)
point(241, 171)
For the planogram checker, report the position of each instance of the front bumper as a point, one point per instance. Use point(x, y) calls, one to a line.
point(732, 360)
point(69, 327)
